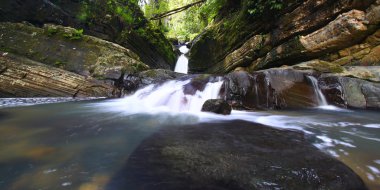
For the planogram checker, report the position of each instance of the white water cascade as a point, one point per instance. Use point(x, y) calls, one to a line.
point(322, 102)
point(320, 97)
point(183, 61)
point(169, 97)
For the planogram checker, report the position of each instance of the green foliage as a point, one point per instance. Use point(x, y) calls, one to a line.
point(52, 31)
point(210, 9)
point(124, 9)
point(74, 35)
point(259, 7)
point(59, 64)
point(183, 25)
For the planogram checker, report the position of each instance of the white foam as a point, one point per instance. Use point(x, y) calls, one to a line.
point(167, 98)
point(182, 65)
point(376, 126)
point(374, 170)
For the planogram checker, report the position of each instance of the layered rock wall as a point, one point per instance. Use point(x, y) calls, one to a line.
point(344, 32)
point(21, 77)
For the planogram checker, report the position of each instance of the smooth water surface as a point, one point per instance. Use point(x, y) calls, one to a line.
point(81, 145)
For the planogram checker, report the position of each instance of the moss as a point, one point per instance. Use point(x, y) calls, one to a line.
point(158, 40)
point(326, 67)
point(51, 31)
point(74, 34)
point(259, 7)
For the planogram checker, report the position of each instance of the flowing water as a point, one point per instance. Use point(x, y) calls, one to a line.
point(81, 145)
point(183, 62)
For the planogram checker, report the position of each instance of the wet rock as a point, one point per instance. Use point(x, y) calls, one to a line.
point(280, 88)
point(231, 155)
point(21, 77)
point(292, 87)
point(351, 92)
point(157, 76)
point(198, 82)
point(217, 106)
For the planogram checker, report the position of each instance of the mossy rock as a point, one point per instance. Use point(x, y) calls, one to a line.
point(61, 47)
point(321, 66)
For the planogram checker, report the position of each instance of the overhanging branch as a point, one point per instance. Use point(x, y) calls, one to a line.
point(177, 10)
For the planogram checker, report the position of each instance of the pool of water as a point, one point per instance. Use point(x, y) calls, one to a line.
point(81, 145)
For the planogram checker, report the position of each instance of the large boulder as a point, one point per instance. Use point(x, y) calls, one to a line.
point(217, 106)
point(281, 88)
point(113, 20)
point(351, 92)
point(22, 77)
point(231, 155)
point(69, 49)
point(300, 86)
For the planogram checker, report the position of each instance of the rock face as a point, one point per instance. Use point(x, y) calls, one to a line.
point(70, 50)
point(231, 155)
point(300, 31)
point(217, 106)
point(117, 21)
point(21, 77)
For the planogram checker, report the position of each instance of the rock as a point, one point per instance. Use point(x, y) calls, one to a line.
point(231, 155)
point(350, 92)
point(347, 29)
point(300, 31)
point(312, 15)
point(22, 77)
point(69, 49)
point(365, 54)
point(250, 50)
point(280, 88)
point(127, 27)
point(369, 73)
point(157, 76)
point(292, 87)
point(217, 106)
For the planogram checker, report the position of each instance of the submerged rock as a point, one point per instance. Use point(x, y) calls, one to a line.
point(217, 106)
point(231, 155)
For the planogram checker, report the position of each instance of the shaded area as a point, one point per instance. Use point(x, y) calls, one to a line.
point(231, 155)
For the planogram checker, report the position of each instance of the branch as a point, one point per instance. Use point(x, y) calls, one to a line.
point(177, 10)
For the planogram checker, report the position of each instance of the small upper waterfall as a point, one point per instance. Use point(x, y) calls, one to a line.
point(183, 61)
point(172, 96)
point(320, 97)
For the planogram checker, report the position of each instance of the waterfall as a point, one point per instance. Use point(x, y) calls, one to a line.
point(183, 62)
point(171, 97)
point(320, 97)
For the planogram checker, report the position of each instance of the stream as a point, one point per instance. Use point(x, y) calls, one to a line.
point(79, 145)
